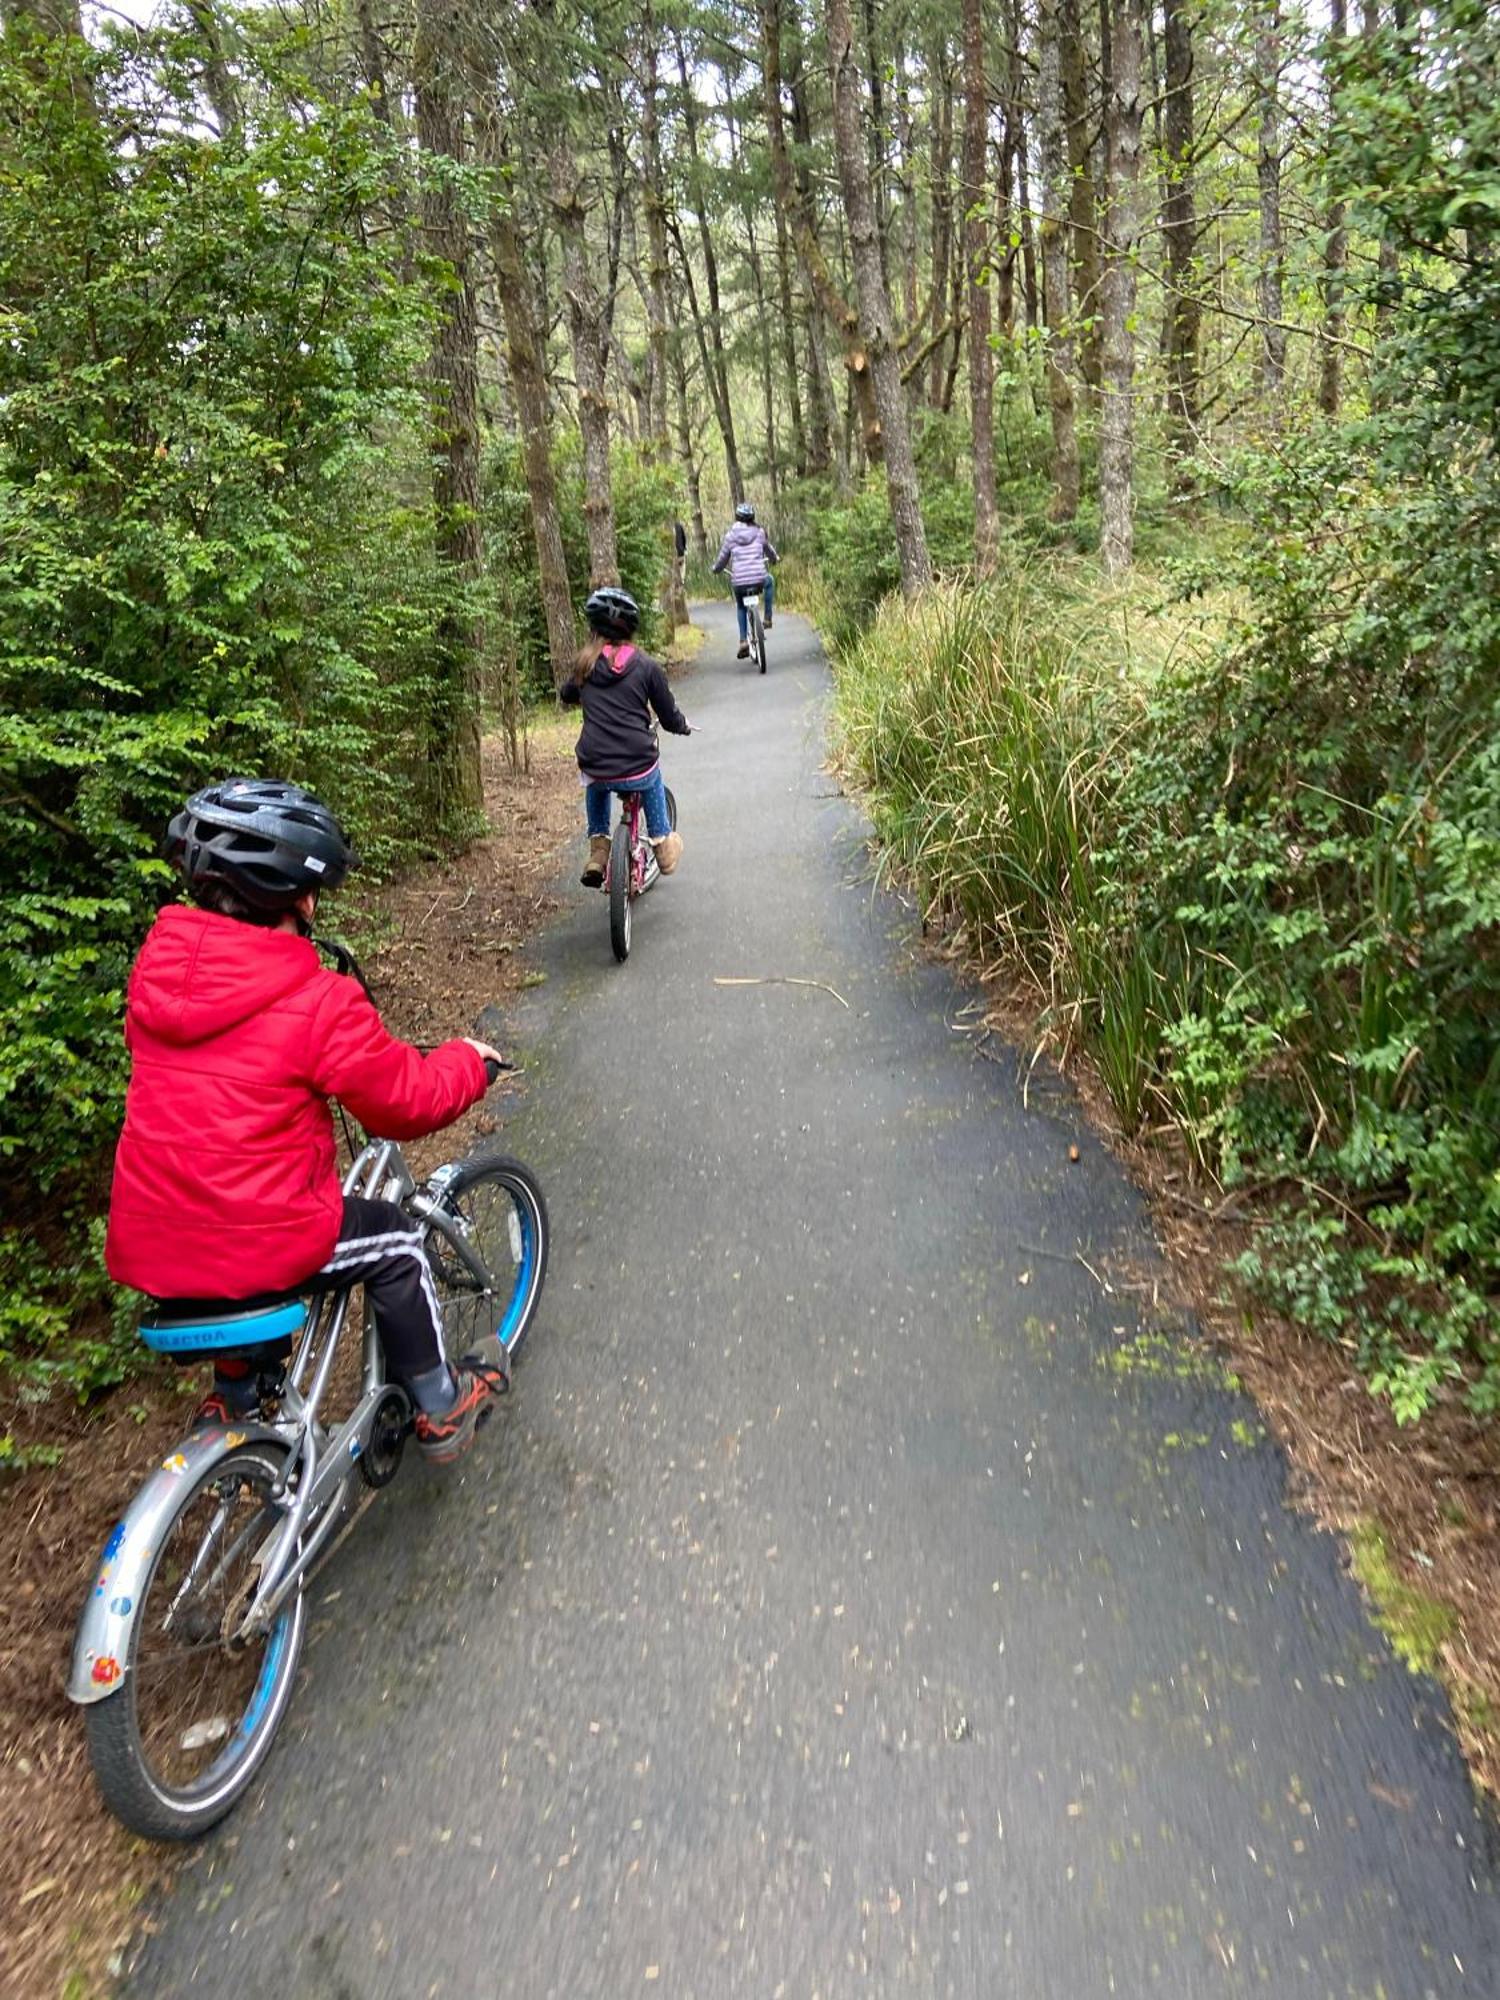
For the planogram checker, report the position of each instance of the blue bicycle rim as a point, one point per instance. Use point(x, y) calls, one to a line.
point(507, 1328)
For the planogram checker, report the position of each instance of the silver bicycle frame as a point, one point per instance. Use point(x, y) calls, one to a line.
point(323, 1467)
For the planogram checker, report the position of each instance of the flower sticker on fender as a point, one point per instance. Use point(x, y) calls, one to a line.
point(176, 1463)
point(106, 1671)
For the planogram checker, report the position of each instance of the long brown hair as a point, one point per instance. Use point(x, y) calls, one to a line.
point(588, 653)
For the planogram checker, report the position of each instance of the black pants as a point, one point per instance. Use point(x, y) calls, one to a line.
point(380, 1247)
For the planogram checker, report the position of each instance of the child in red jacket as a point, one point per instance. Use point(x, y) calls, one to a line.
point(226, 1181)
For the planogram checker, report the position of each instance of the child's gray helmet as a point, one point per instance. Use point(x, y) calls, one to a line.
point(269, 841)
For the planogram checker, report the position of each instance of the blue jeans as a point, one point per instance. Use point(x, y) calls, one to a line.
point(768, 599)
point(653, 793)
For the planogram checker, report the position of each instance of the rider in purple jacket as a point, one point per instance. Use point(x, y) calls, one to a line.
point(746, 552)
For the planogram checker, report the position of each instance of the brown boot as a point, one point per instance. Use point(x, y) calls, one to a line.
point(598, 861)
point(668, 851)
point(744, 652)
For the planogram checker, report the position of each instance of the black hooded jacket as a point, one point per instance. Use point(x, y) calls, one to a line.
point(618, 694)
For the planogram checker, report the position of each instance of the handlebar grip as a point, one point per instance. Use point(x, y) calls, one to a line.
point(492, 1069)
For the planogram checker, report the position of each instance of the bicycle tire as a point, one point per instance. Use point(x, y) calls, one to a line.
point(523, 1251)
point(140, 1797)
point(671, 797)
point(620, 898)
point(758, 630)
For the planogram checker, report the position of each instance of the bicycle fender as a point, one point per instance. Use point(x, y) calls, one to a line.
point(106, 1624)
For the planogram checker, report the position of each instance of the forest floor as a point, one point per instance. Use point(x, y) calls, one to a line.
point(440, 945)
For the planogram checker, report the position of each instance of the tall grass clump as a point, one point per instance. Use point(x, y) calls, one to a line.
point(992, 728)
point(1262, 900)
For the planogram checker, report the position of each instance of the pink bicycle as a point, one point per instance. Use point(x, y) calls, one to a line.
point(632, 866)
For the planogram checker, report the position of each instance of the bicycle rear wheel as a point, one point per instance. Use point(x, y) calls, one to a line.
point(758, 637)
point(178, 1743)
point(620, 897)
point(500, 1209)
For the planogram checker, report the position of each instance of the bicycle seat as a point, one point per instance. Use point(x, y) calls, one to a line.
point(206, 1326)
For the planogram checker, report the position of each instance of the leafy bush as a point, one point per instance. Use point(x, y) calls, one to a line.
point(208, 389)
point(1279, 934)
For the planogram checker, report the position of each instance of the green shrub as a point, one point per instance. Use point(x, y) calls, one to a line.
point(1276, 933)
point(215, 553)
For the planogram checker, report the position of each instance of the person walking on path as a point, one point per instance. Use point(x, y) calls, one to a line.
point(747, 552)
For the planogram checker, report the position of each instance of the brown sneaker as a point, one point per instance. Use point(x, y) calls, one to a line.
point(668, 851)
point(744, 652)
point(447, 1436)
point(598, 861)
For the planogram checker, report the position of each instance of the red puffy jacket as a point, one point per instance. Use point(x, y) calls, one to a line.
point(226, 1176)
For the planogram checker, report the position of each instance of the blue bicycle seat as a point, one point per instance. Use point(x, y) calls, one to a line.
point(207, 1326)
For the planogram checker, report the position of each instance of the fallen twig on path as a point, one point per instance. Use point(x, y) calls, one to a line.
point(785, 979)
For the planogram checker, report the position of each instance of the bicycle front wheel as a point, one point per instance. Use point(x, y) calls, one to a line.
point(620, 897)
point(179, 1741)
point(758, 630)
point(498, 1208)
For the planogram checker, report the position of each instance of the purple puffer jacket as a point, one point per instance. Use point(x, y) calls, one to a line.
point(745, 551)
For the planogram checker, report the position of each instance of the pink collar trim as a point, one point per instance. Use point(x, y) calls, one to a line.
point(619, 656)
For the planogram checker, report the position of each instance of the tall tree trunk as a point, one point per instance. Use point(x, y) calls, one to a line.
point(438, 88)
point(1029, 284)
point(941, 157)
point(685, 450)
point(218, 78)
point(904, 238)
point(1272, 367)
point(1052, 116)
point(716, 392)
point(1083, 213)
point(528, 382)
point(588, 339)
point(763, 345)
point(788, 332)
point(719, 367)
point(877, 141)
point(794, 196)
point(1117, 419)
point(874, 303)
point(1336, 243)
point(1180, 228)
point(976, 253)
point(1010, 230)
point(654, 202)
point(372, 62)
point(1015, 127)
point(822, 414)
point(1389, 275)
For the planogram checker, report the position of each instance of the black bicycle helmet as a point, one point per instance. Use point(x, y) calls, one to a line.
point(269, 841)
point(745, 512)
point(612, 612)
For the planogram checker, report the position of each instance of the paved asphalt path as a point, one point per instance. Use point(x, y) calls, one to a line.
point(827, 1614)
